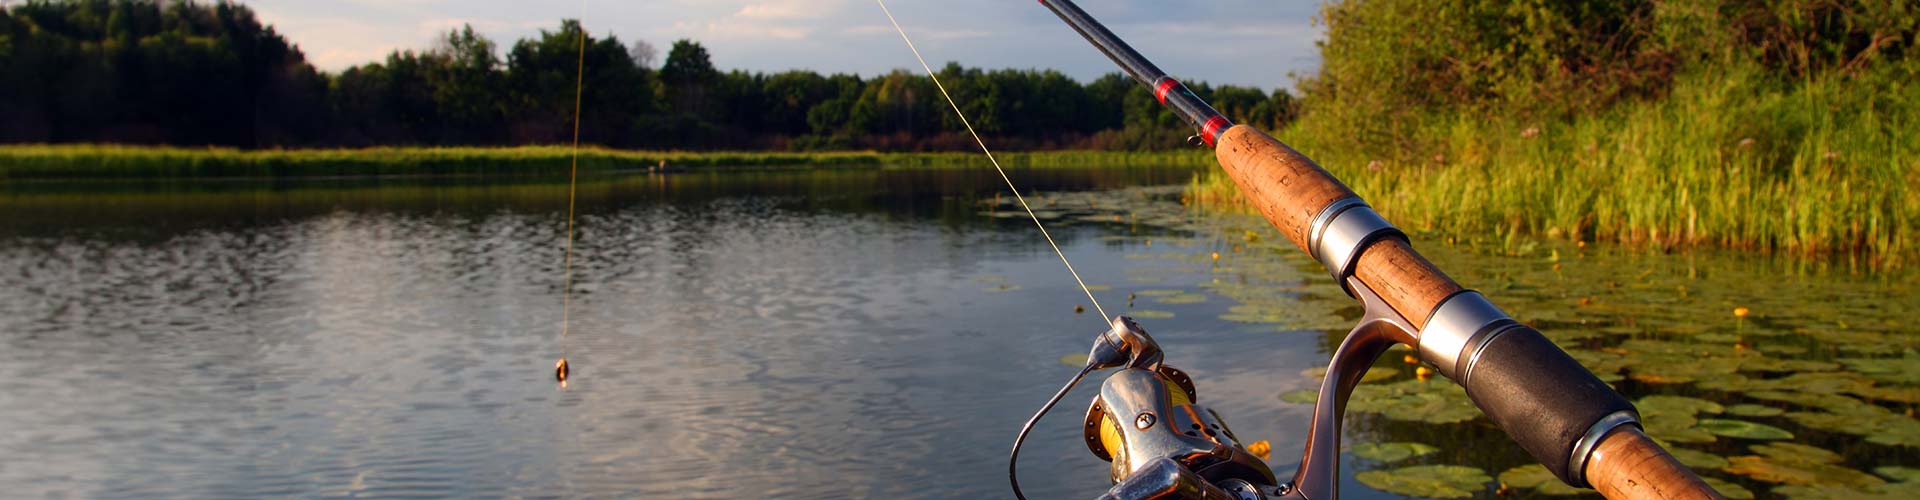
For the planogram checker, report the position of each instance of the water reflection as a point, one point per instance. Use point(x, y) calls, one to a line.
point(793, 334)
point(799, 334)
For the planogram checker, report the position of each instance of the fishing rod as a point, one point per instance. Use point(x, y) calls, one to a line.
point(1577, 426)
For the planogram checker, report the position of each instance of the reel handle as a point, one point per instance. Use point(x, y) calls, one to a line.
point(1628, 465)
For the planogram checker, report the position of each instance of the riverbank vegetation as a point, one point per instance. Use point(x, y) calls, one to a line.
point(143, 162)
point(1781, 126)
point(1790, 126)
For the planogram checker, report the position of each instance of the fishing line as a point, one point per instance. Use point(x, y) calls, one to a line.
point(560, 368)
point(1104, 319)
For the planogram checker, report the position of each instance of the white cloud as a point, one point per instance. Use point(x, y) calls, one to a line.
point(786, 20)
point(333, 43)
point(741, 29)
point(919, 33)
point(787, 9)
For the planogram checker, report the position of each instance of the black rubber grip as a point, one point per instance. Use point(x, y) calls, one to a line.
point(1539, 395)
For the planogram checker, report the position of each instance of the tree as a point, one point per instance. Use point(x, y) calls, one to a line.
point(189, 73)
point(541, 75)
point(465, 79)
point(147, 72)
point(788, 96)
point(643, 53)
point(689, 76)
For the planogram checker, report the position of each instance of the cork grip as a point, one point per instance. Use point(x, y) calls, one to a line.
point(1283, 184)
point(1627, 465)
point(1290, 189)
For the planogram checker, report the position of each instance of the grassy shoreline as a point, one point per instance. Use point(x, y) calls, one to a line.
point(1830, 168)
point(93, 161)
point(1640, 177)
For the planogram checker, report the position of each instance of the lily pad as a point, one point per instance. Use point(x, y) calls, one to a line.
point(1150, 314)
point(1798, 464)
point(1301, 396)
point(1605, 365)
point(1797, 453)
point(1764, 364)
point(1679, 429)
point(1374, 374)
point(1184, 298)
point(1898, 394)
point(1672, 418)
point(1754, 410)
point(1536, 477)
point(1676, 405)
point(1898, 473)
point(1285, 302)
point(1697, 459)
point(1414, 401)
point(1159, 292)
point(1003, 287)
point(1718, 338)
point(1876, 424)
point(1727, 489)
point(1894, 491)
point(1679, 368)
point(1430, 481)
point(1821, 401)
point(1819, 383)
point(1902, 370)
point(1743, 429)
point(1391, 452)
point(1075, 360)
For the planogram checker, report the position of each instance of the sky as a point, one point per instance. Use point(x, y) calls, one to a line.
point(1242, 42)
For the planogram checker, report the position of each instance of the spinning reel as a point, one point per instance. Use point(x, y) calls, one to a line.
point(1147, 420)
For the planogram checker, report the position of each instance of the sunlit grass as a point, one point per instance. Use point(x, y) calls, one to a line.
point(1825, 168)
point(142, 162)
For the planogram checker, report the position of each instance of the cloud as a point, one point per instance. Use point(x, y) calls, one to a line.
point(731, 29)
point(787, 9)
point(1232, 30)
point(334, 43)
point(765, 20)
point(918, 33)
point(433, 29)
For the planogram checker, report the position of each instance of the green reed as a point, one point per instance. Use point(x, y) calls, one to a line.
point(141, 162)
point(1825, 167)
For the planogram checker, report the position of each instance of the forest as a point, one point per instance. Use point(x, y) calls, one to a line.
point(194, 74)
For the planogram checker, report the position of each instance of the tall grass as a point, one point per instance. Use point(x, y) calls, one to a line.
point(1828, 166)
point(138, 162)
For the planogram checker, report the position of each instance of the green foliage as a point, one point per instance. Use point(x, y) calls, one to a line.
point(1391, 452)
point(541, 75)
point(130, 162)
point(1537, 477)
point(146, 71)
point(1780, 126)
point(690, 78)
point(199, 74)
point(1431, 481)
point(1392, 68)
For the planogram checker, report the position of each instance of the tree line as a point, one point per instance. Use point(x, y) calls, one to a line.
point(190, 73)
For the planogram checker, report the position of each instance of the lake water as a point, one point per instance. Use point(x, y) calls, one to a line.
point(825, 334)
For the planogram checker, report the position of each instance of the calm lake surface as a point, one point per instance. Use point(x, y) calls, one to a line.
point(830, 334)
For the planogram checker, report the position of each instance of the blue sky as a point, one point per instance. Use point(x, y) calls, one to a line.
point(1245, 42)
